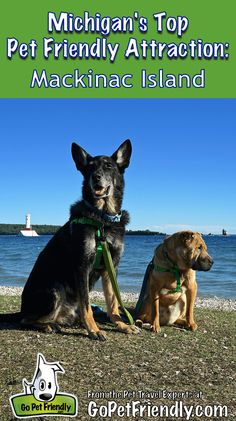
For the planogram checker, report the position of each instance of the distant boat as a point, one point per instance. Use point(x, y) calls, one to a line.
point(224, 232)
point(28, 231)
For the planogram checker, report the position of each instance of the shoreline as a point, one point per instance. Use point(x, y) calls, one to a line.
point(216, 303)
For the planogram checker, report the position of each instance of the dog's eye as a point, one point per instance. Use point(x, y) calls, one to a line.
point(200, 248)
point(49, 385)
point(42, 385)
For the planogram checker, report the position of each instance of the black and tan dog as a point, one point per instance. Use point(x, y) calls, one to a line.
point(175, 261)
point(58, 286)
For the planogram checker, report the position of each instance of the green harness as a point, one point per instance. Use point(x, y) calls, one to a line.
point(103, 251)
point(177, 274)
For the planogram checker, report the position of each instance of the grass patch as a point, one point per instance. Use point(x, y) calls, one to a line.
point(174, 360)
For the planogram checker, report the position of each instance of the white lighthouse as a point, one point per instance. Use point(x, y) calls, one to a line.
point(27, 221)
point(28, 231)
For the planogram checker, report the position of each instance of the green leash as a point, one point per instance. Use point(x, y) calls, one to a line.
point(112, 275)
point(102, 250)
point(177, 274)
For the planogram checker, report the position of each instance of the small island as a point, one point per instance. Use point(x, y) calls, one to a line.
point(143, 232)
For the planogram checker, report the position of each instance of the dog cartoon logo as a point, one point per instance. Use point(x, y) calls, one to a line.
point(41, 396)
point(44, 385)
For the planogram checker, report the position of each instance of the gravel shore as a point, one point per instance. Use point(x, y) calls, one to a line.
point(129, 297)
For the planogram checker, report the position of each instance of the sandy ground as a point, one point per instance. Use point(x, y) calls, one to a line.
point(128, 297)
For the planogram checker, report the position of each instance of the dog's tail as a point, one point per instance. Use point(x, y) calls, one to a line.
point(11, 317)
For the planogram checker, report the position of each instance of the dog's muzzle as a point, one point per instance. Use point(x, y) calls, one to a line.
point(203, 264)
point(99, 191)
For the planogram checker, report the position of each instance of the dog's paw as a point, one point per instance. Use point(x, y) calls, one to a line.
point(135, 330)
point(193, 326)
point(155, 328)
point(56, 328)
point(48, 328)
point(128, 329)
point(45, 328)
point(97, 336)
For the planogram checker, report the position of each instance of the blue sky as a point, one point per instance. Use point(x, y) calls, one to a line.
point(182, 173)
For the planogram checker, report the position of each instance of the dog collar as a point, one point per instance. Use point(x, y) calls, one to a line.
point(112, 218)
point(105, 216)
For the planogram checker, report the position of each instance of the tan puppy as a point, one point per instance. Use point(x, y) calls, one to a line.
point(171, 283)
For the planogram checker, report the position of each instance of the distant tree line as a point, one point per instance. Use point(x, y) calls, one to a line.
point(143, 232)
point(14, 229)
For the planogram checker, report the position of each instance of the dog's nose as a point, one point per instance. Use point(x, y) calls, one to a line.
point(45, 396)
point(211, 261)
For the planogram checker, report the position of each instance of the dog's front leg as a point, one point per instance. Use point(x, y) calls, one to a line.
point(86, 311)
point(156, 318)
point(113, 308)
point(191, 294)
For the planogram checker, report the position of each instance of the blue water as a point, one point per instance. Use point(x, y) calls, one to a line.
point(18, 254)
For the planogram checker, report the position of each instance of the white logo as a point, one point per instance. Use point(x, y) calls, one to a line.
point(44, 385)
point(41, 396)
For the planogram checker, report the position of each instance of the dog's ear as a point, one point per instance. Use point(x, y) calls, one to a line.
point(122, 155)
point(80, 156)
point(41, 360)
point(186, 236)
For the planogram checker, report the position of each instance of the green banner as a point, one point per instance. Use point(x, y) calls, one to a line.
point(127, 49)
point(27, 406)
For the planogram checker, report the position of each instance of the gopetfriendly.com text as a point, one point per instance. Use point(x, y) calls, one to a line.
point(137, 409)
